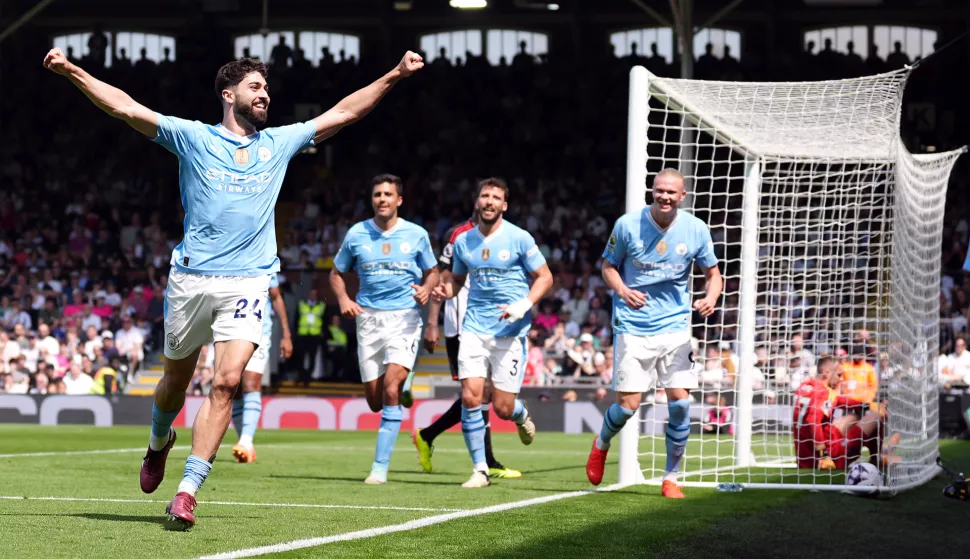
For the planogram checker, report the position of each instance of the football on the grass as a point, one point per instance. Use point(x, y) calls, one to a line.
point(863, 474)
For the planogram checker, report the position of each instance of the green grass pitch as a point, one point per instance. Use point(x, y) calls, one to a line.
point(325, 470)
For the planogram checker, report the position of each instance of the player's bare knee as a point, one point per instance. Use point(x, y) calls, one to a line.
point(251, 382)
point(392, 391)
point(504, 409)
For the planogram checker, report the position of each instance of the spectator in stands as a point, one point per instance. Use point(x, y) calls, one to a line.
point(897, 58)
point(581, 357)
point(76, 382)
point(130, 344)
point(957, 367)
point(713, 375)
point(40, 384)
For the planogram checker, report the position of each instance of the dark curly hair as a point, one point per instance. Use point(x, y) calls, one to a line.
point(232, 73)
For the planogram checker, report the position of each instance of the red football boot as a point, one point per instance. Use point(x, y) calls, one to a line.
point(596, 464)
point(153, 466)
point(670, 490)
point(181, 512)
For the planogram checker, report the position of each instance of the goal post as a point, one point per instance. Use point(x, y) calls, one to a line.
point(824, 225)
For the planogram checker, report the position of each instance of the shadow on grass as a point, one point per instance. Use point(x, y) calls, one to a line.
point(141, 519)
point(452, 481)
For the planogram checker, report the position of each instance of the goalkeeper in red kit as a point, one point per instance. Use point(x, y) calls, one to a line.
point(823, 442)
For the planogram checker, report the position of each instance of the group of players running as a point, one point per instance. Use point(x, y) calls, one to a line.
point(491, 273)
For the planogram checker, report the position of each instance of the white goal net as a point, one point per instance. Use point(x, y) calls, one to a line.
point(826, 229)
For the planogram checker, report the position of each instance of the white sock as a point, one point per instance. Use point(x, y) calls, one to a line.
point(158, 443)
point(246, 440)
point(602, 445)
point(186, 487)
point(481, 467)
point(670, 476)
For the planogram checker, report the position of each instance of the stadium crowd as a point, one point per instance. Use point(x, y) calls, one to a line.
point(89, 212)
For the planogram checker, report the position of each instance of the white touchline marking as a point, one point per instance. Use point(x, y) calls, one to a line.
point(403, 527)
point(102, 451)
point(231, 503)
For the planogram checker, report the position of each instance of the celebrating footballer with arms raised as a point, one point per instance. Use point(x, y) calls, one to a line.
point(230, 176)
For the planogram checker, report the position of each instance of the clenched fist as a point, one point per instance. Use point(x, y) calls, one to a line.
point(56, 61)
point(411, 63)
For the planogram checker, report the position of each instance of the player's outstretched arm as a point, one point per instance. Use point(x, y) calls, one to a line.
point(348, 307)
point(279, 306)
point(106, 97)
point(611, 275)
point(713, 288)
point(355, 106)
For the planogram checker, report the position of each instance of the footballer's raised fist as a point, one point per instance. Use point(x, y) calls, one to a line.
point(56, 61)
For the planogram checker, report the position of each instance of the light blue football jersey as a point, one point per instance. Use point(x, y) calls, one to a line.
point(498, 269)
point(657, 263)
point(267, 319)
point(229, 185)
point(387, 263)
point(966, 263)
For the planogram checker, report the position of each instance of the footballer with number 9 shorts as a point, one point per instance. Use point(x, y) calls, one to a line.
point(230, 176)
point(497, 258)
point(390, 256)
point(647, 264)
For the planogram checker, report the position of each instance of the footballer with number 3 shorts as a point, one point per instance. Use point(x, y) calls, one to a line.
point(497, 258)
point(390, 257)
point(230, 176)
point(647, 263)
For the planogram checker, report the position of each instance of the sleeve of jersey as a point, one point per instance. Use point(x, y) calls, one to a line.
point(344, 260)
point(615, 250)
point(274, 281)
point(425, 254)
point(705, 254)
point(447, 253)
point(532, 259)
point(458, 266)
point(297, 137)
point(175, 134)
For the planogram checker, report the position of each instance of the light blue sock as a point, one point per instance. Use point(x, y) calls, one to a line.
point(252, 407)
point(678, 430)
point(387, 436)
point(614, 420)
point(161, 425)
point(196, 470)
point(520, 413)
point(473, 429)
point(237, 416)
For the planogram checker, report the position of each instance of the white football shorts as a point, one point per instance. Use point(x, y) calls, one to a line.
point(199, 308)
point(639, 362)
point(503, 358)
point(259, 362)
point(385, 338)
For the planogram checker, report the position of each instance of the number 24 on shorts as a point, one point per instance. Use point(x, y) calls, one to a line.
point(241, 308)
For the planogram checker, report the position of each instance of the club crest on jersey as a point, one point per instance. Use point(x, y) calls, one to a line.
point(504, 255)
point(386, 248)
point(485, 253)
point(264, 154)
point(681, 249)
point(242, 156)
point(662, 248)
point(405, 248)
point(173, 342)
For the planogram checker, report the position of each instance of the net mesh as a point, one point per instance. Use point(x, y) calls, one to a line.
point(846, 254)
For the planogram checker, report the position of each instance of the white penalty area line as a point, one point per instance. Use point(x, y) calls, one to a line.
point(403, 527)
point(231, 503)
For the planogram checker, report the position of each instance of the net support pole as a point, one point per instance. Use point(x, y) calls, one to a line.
point(748, 303)
point(636, 190)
